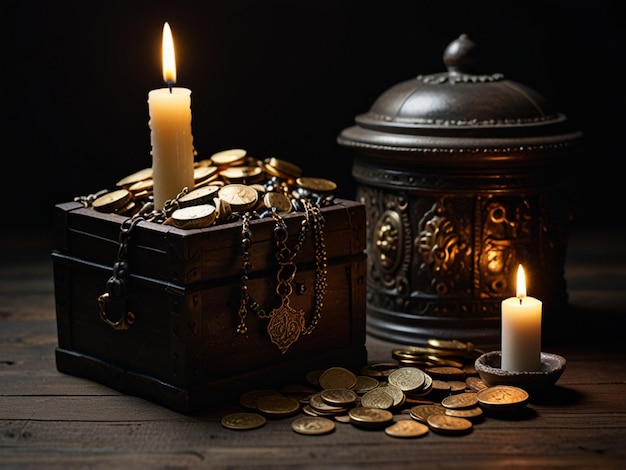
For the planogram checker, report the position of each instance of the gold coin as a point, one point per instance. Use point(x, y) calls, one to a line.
point(317, 185)
point(425, 389)
point(201, 173)
point(441, 361)
point(444, 424)
point(411, 352)
point(198, 216)
point(279, 201)
point(250, 399)
point(460, 400)
point(406, 428)
point(476, 383)
point(112, 201)
point(243, 420)
point(446, 373)
point(422, 412)
point(312, 411)
point(141, 186)
point(468, 413)
point(420, 363)
point(228, 157)
point(282, 169)
point(337, 377)
point(204, 162)
point(365, 384)
point(201, 195)
point(313, 377)
point(397, 394)
point(369, 417)
point(309, 410)
point(278, 406)
point(140, 175)
point(440, 386)
point(313, 425)
point(318, 404)
point(240, 196)
point(502, 398)
point(342, 418)
point(380, 369)
point(457, 386)
point(242, 174)
point(417, 400)
point(447, 344)
point(377, 398)
point(127, 209)
point(259, 188)
point(418, 353)
point(338, 396)
point(407, 378)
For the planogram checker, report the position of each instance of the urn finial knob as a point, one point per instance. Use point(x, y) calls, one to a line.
point(461, 55)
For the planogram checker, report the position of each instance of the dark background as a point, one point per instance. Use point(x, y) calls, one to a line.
point(282, 79)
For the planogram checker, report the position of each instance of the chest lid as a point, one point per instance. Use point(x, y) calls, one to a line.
point(182, 257)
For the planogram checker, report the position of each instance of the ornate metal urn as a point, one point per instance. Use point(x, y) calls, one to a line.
point(464, 176)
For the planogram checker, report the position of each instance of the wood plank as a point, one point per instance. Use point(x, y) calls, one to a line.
point(40, 306)
point(31, 358)
point(586, 403)
point(109, 408)
point(383, 456)
point(26, 332)
point(507, 443)
point(48, 383)
point(27, 289)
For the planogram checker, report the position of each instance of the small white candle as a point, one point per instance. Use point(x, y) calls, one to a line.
point(521, 330)
point(170, 136)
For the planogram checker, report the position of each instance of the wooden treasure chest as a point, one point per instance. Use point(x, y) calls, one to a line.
point(183, 316)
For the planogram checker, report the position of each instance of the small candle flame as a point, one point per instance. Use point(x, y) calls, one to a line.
point(521, 283)
point(168, 56)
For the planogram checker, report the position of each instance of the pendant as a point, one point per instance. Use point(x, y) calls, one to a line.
point(285, 326)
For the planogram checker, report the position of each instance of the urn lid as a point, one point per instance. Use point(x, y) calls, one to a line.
point(461, 113)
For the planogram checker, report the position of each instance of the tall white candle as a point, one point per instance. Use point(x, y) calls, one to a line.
point(170, 136)
point(521, 330)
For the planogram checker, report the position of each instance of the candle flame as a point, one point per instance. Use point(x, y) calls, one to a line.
point(521, 283)
point(169, 58)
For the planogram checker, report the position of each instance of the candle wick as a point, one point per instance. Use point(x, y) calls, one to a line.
point(170, 84)
point(520, 300)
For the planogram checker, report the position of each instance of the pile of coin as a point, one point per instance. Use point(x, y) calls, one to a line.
point(227, 184)
point(402, 400)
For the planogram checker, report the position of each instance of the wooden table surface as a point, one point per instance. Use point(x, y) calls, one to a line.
point(52, 420)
